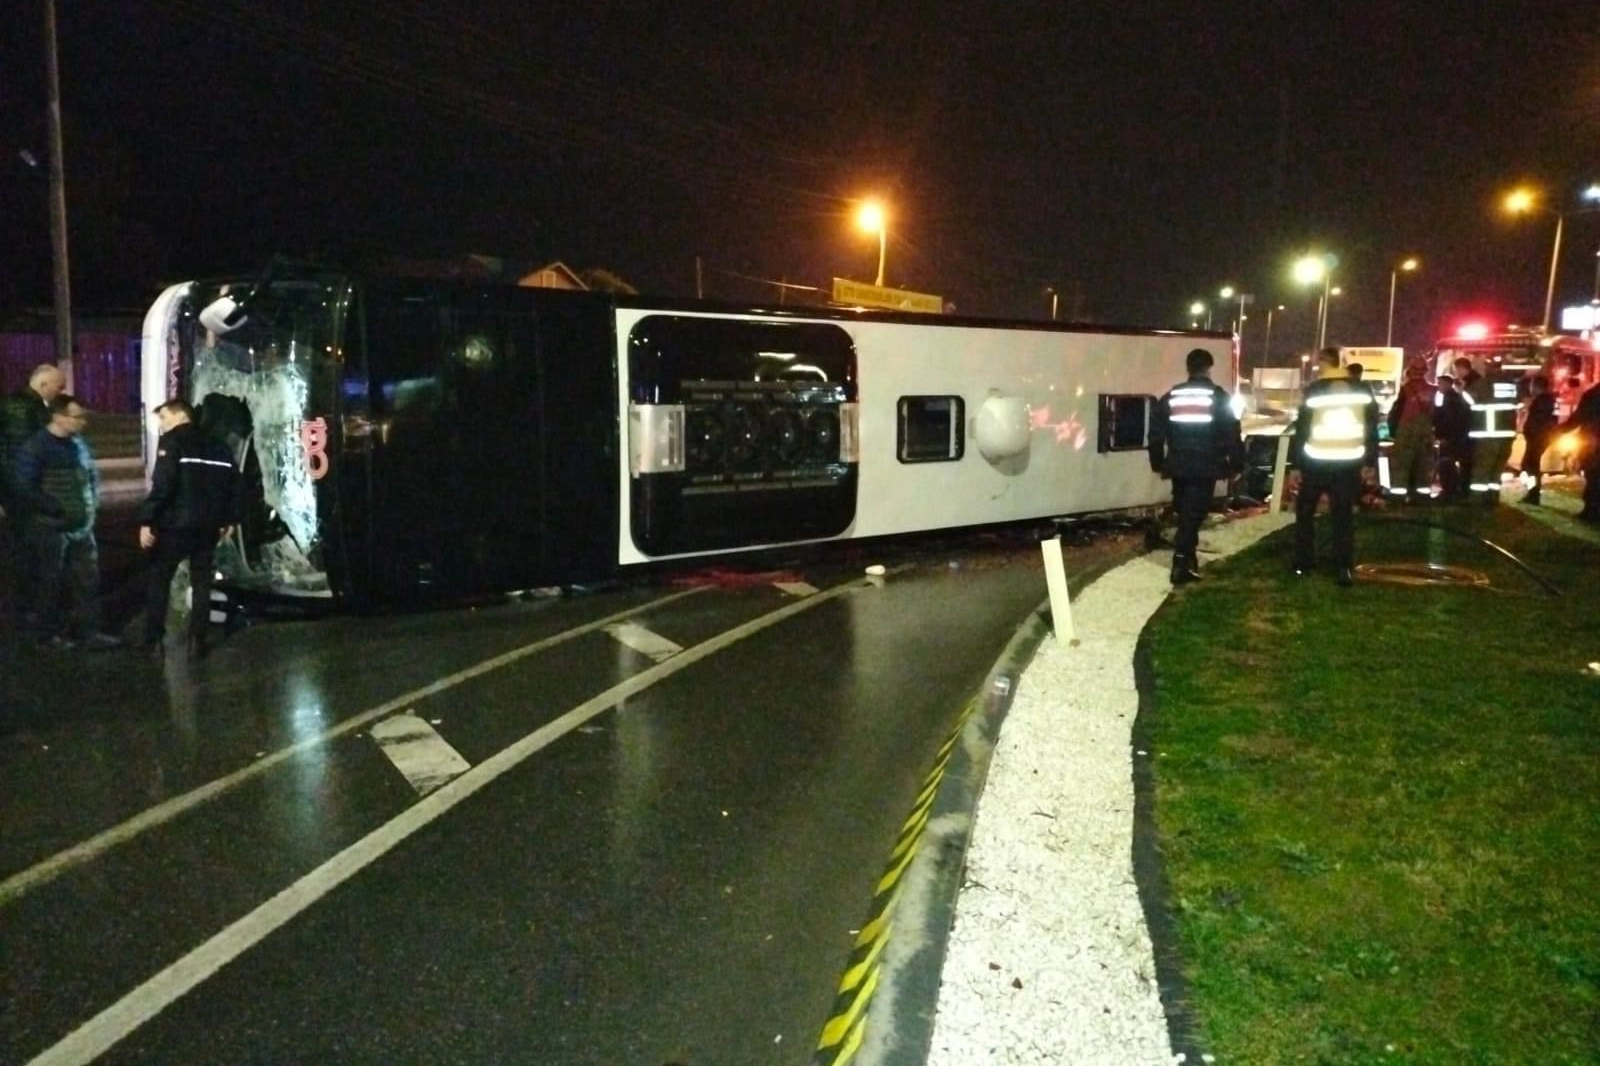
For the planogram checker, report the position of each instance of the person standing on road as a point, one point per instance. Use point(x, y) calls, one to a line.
point(1537, 429)
point(22, 414)
point(1586, 420)
point(1452, 425)
point(58, 487)
point(193, 503)
point(1194, 440)
point(1411, 429)
point(1492, 432)
point(1335, 436)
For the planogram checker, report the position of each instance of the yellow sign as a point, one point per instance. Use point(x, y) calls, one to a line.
point(863, 295)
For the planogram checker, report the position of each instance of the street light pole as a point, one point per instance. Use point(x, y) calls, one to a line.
point(1394, 278)
point(871, 217)
point(1266, 345)
point(1388, 333)
point(1555, 259)
point(58, 202)
point(1322, 311)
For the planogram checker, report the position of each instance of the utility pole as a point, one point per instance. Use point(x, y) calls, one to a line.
point(58, 203)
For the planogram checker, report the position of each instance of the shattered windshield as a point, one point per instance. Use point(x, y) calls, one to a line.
point(264, 385)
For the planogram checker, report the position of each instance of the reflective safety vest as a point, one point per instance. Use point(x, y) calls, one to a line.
point(1191, 405)
point(1338, 431)
point(1493, 418)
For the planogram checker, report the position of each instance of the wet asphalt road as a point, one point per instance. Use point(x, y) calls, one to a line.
point(672, 878)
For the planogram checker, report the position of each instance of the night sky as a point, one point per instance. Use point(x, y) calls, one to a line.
point(1132, 156)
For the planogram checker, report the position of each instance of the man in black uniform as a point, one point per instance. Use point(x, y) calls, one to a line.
point(1335, 435)
point(193, 502)
point(1194, 440)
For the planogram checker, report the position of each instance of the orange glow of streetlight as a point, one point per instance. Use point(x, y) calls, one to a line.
point(1520, 201)
point(874, 219)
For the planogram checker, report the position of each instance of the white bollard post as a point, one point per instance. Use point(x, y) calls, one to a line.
point(1055, 573)
point(1279, 472)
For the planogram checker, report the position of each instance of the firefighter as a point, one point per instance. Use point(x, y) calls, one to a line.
point(1493, 431)
point(1411, 429)
point(1335, 436)
point(1194, 440)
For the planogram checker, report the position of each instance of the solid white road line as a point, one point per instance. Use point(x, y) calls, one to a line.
point(796, 588)
point(644, 641)
point(418, 751)
point(100, 1033)
point(19, 884)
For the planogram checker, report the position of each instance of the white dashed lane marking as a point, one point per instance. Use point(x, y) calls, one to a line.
point(644, 641)
point(796, 588)
point(418, 751)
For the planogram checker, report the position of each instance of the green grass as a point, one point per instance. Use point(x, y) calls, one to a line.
point(1379, 807)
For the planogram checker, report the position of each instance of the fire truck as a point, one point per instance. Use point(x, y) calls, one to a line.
point(1510, 357)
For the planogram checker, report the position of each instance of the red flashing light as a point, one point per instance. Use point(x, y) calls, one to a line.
point(1472, 331)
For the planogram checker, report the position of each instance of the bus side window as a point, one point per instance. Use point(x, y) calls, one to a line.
point(403, 343)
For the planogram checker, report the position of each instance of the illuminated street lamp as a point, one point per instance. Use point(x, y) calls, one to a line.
point(1266, 347)
point(1308, 270)
point(1230, 293)
point(871, 217)
point(1524, 201)
point(1394, 278)
point(1197, 309)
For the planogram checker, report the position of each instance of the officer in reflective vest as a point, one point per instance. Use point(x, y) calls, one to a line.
point(1194, 440)
point(1335, 435)
point(1494, 428)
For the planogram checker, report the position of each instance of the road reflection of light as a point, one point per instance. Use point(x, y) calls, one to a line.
point(301, 811)
point(634, 786)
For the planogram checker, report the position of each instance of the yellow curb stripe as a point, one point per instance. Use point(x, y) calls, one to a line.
point(858, 1027)
point(845, 1029)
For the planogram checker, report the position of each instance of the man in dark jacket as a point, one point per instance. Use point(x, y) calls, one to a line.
point(193, 502)
point(1195, 441)
point(1335, 435)
point(1452, 426)
point(22, 414)
point(1537, 429)
point(58, 492)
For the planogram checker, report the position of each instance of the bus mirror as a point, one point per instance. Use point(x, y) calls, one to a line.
point(222, 316)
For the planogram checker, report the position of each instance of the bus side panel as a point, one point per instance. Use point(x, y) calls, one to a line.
point(966, 425)
point(456, 457)
point(579, 424)
point(1054, 466)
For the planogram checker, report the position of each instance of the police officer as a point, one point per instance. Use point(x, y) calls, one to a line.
point(1194, 440)
point(193, 502)
point(1335, 435)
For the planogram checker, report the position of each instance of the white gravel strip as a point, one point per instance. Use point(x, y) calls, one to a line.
point(1049, 959)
